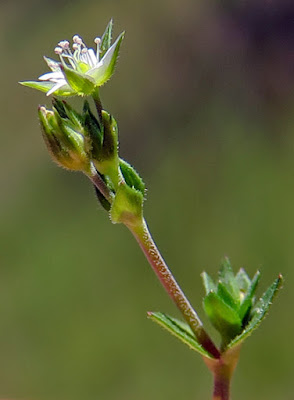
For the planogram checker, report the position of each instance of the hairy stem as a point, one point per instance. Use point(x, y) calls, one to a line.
point(143, 237)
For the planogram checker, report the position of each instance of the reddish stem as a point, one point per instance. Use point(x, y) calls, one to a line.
point(143, 237)
point(222, 370)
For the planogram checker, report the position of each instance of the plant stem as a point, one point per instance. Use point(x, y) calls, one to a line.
point(222, 370)
point(143, 237)
point(222, 382)
point(95, 177)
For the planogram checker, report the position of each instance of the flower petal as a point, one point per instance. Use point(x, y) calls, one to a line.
point(50, 76)
point(57, 86)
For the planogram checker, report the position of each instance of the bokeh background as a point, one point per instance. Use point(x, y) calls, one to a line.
point(203, 95)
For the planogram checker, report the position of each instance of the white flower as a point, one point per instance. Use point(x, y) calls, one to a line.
point(80, 69)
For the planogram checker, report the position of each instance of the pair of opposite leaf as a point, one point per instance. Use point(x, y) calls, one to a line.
point(231, 307)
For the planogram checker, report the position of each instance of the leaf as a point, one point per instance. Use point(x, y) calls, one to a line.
point(131, 176)
point(106, 38)
point(243, 280)
point(127, 205)
point(104, 71)
point(180, 330)
point(224, 318)
point(226, 276)
point(226, 296)
point(260, 310)
point(208, 282)
point(248, 299)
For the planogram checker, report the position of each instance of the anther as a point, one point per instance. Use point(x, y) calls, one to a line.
point(64, 44)
point(77, 39)
point(58, 50)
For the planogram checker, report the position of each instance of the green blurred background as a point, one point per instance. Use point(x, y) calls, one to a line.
point(203, 95)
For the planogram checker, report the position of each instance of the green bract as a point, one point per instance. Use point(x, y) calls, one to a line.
point(81, 70)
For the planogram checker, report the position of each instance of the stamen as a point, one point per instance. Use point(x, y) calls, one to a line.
point(58, 50)
point(97, 40)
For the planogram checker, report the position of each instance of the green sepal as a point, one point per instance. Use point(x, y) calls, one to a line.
point(65, 111)
point(180, 330)
point(103, 72)
point(106, 159)
point(53, 145)
point(82, 84)
point(131, 176)
point(259, 312)
point(59, 106)
point(93, 131)
point(127, 206)
point(72, 140)
point(106, 39)
point(249, 297)
point(64, 91)
point(224, 318)
point(52, 64)
point(110, 138)
point(208, 283)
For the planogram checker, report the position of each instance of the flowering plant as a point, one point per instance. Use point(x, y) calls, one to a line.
point(88, 142)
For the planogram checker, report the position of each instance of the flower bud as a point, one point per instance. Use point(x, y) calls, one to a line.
point(104, 143)
point(64, 138)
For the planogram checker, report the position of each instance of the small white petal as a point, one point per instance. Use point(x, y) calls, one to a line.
point(93, 58)
point(56, 87)
point(51, 75)
point(95, 69)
